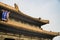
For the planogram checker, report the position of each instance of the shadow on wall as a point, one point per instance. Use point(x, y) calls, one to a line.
point(0, 14)
point(8, 39)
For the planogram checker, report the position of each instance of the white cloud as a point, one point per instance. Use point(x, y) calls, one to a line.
point(56, 38)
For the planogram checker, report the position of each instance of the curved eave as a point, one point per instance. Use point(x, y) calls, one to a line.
point(12, 9)
point(31, 29)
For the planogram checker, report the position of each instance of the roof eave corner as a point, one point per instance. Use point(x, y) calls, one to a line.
point(45, 21)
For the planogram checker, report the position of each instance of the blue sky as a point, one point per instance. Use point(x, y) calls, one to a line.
point(46, 9)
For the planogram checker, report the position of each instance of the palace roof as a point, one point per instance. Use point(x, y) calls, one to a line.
point(18, 27)
point(21, 16)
